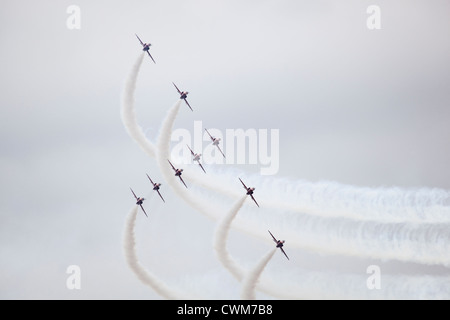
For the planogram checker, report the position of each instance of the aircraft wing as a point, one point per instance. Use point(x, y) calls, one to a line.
point(144, 210)
point(245, 187)
point(151, 57)
point(220, 151)
point(182, 181)
point(282, 250)
point(139, 39)
point(201, 166)
point(185, 100)
point(254, 200)
point(274, 239)
point(160, 196)
point(209, 134)
point(172, 166)
point(133, 193)
point(150, 180)
point(192, 152)
point(176, 88)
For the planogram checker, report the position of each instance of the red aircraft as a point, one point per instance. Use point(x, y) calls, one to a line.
point(279, 243)
point(183, 95)
point(178, 173)
point(197, 158)
point(215, 142)
point(145, 47)
point(139, 201)
point(249, 191)
point(156, 187)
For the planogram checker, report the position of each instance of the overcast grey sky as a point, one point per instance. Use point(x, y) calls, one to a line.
point(362, 107)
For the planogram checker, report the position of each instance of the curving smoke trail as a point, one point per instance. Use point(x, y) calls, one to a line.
point(237, 271)
point(220, 241)
point(132, 260)
point(250, 281)
point(163, 149)
point(332, 199)
point(128, 112)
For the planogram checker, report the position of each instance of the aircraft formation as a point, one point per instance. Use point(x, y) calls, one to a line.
point(196, 157)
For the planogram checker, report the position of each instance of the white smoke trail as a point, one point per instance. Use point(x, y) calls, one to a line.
point(221, 237)
point(238, 272)
point(420, 243)
point(132, 260)
point(332, 199)
point(163, 149)
point(128, 112)
point(250, 281)
point(392, 204)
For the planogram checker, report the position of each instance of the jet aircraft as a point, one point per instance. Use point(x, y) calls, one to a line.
point(178, 173)
point(197, 158)
point(279, 243)
point(249, 191)
point(156, 187)
point(215, 142)
point(183, 95)
point(145, 47)
point(139, 202)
